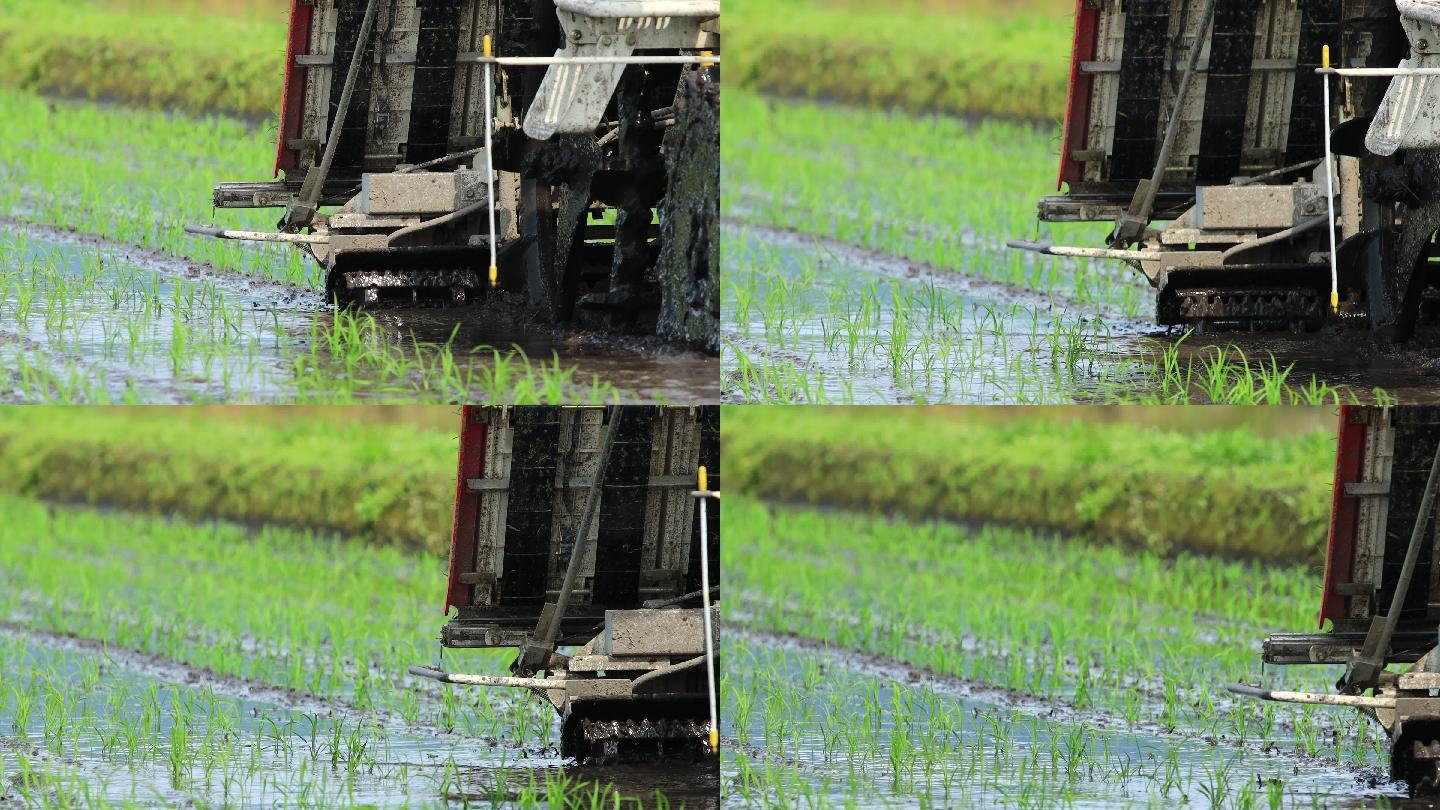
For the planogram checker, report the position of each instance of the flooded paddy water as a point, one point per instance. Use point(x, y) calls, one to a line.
point(85, 319)
point(154, 661)
point(865, 262)
point(103, 297)
point(94, 726)
point(816, 725)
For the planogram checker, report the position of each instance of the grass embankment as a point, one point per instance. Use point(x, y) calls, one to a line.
point(145, 55)
point(994, 60)
point(392, 484)
point(1225, 492)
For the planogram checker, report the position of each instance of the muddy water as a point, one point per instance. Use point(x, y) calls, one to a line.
point(117, 322)
point(646, 369)
point(866, 327)
point(822, 722)
point(128, 735)
point(1346, 356)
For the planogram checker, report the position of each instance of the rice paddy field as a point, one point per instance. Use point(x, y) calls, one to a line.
point(151, 659)
point(876, 160)
point(104, 298)
point(890, 658)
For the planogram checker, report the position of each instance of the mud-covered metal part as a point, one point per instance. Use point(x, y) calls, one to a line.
point(1415, 759)
point(688, 265)
point(638, 739)
point(1251, 308)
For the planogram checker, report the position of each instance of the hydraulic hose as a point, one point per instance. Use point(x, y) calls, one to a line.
point(437, 221)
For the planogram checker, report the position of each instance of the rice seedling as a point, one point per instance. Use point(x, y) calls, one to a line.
point(1003, 683)
point(156, 661)
point(881, 265)
point(131, 317)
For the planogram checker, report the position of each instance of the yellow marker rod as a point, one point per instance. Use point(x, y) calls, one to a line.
point(702, 496)
point(490, 161)
point(1330, 183)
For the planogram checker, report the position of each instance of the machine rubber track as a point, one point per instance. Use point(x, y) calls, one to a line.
point(1418, 763)
point(1251, 309)
point(636, 740)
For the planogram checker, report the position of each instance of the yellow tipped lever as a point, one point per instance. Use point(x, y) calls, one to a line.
point(714, 741)
point(704, 479)
point(494, 275)
point(1325, 56)
point(485, 46)
point(1335, 302)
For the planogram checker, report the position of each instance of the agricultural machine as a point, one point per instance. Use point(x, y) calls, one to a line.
point(1381, 591)
point(566, 150)
point(596, 528)
point(1254, 183)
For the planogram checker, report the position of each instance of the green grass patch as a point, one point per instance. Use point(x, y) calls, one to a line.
point(150, 57)
point(1224, 492)
point(1014, 64)
point(389, 483)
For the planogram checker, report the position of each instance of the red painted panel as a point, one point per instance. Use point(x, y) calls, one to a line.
point(1344, 516)
point(1077, 103)
point(466, 525)
point(292, 100)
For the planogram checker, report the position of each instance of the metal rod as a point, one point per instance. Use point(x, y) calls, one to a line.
point(577, 549)
point(528, 61)
point(490, 162)
point(1379, 72)
point(653, 604)
point(1279, 236)
point(440, 220)
point(255, 236)
point(485, 680)
point(315, 178)
point(1330, 188)
point(1356, 701)
point(703, 495)
point(1083, 252)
